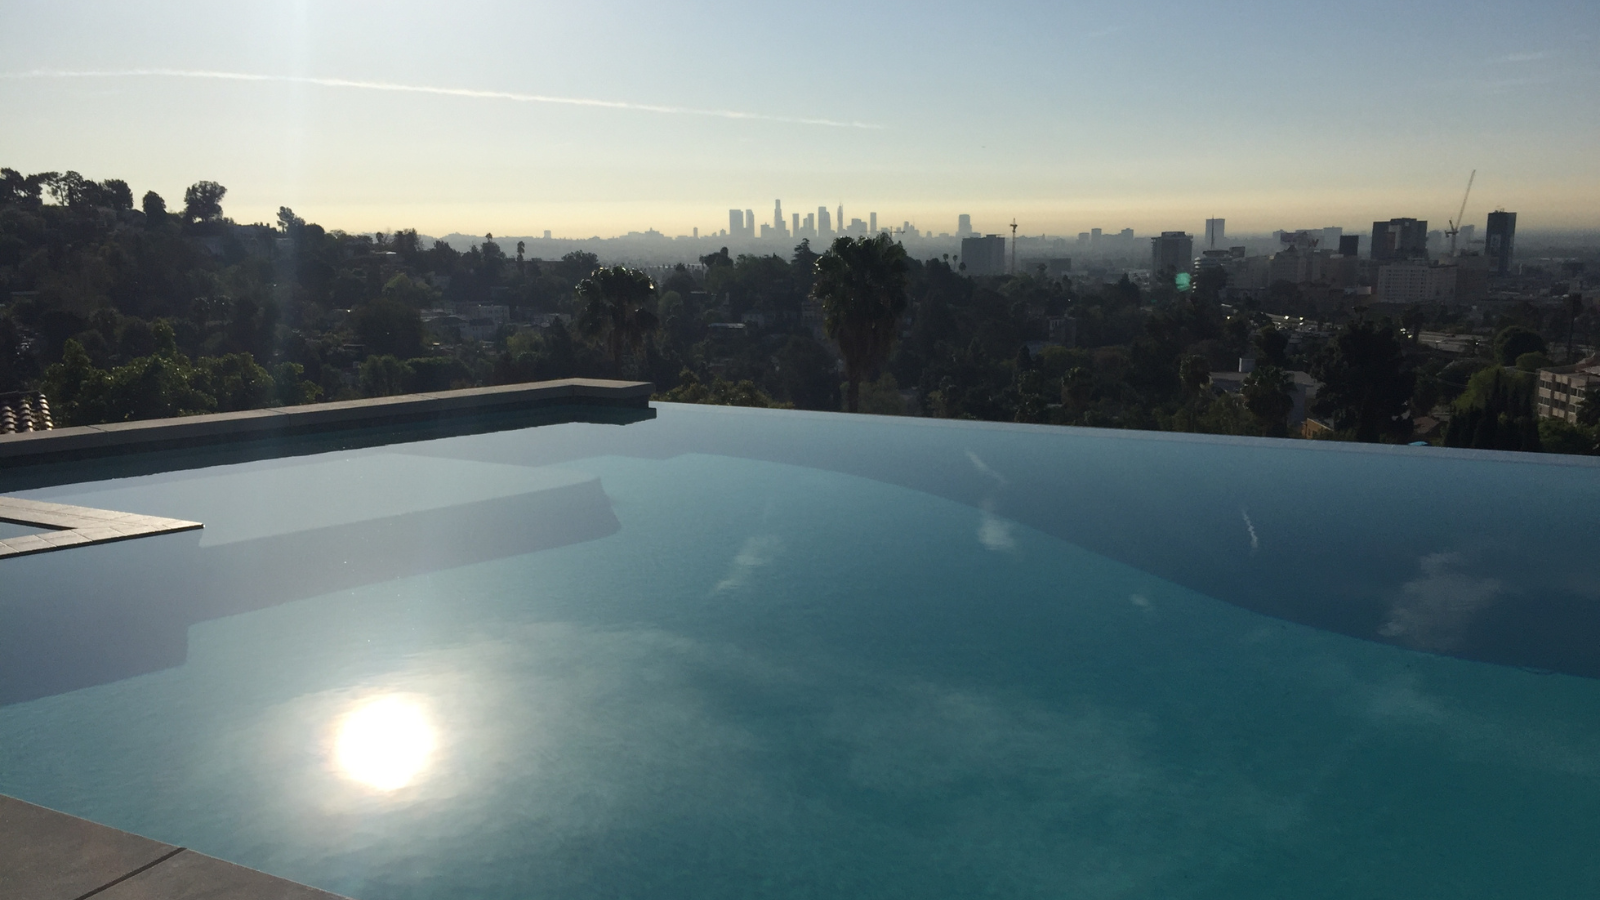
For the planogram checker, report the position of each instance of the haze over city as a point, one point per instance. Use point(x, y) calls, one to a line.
point(609, 117)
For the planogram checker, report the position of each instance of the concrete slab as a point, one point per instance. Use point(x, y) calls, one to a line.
point(76, 526)
point(47, 855)
point(195, 876)
point(123, 437)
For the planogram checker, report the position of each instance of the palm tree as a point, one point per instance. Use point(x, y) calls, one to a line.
point(614, 308)
point(861, 283)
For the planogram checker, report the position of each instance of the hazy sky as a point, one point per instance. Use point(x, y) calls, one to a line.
point(1066, 115)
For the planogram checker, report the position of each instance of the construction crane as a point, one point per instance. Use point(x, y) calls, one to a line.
point(1455, 224)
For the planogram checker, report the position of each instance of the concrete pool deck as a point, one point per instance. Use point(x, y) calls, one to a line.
point(119, 438)
point(49, 855)
point(64, 526)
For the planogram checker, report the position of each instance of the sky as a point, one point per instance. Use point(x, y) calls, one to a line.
point(608, 116)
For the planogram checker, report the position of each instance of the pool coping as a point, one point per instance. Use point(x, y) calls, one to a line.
point(116, 438)
point(50, 855)
point(77, 526)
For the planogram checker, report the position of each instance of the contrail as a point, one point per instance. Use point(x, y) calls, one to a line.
point(437, 91)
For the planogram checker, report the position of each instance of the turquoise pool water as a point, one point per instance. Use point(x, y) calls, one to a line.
point(734, 653)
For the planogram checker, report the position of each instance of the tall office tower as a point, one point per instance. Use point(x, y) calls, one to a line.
point(697, 233)
point(984, 255)
point(810, 225)
point(749, 223)
point(1468, 232)
point(1349, 245)
point(824, 224)
point(1172, 248)
point(735, 223)
point(1216, 233)
point(873, 227)
point(840, 218)
point(1330, 237)
point(777, 216)
point(963, 226)
point(1499, 240)
point(796, 218)
point(1399, 239)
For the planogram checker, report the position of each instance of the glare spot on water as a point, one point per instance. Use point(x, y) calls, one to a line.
point(995, 532)
point(1139, 600)
point(384, 743)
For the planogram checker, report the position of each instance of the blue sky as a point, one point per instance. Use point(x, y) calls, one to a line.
point(1065, 115)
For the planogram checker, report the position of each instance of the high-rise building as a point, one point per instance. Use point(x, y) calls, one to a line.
point(1216, 233)
point(840, 218)
point(1172, 248)
point(735, 223)
point(984, 255)
point(824, 223)
point(1349, 245)
point(796, 218)
point(873, 227)
point(810, 226)
point(749, 223)
point(1500, 240)
point(1399, 239)
point(777, 218)
point(963, 226)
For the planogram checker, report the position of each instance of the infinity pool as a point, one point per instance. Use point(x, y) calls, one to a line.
point(741, 654)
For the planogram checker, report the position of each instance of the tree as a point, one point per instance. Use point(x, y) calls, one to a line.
point(576, 266)
point(807, 374)
point(861, 283)
point(383, 376)
point(1496, 412)
point(155, 208)
point(390, 327)
point(1589, 409)
point(613, 307)
point(1514, 341)
point(691, 389)
point(115, 193)
point(720, 258)
point(202, 202)
point(1272, 346)
point(1194, 373)
point(1366, 382)
point(1267, 394)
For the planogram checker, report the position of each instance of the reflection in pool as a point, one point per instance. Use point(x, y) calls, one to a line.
point(384, 743)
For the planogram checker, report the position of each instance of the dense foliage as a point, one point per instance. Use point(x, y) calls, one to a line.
point(121, 312)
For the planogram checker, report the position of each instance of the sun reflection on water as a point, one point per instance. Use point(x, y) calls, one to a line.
point(384, 743)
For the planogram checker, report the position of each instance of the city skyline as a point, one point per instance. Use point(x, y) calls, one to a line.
point(437, 121)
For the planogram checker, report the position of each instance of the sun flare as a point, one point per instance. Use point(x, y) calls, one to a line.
point(384, 743)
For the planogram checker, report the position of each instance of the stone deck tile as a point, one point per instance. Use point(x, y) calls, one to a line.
point(77, 526)
point(195, 876)
point(48, 855)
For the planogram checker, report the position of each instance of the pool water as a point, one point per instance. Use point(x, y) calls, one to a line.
point(747, 654)
point(13, 529)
